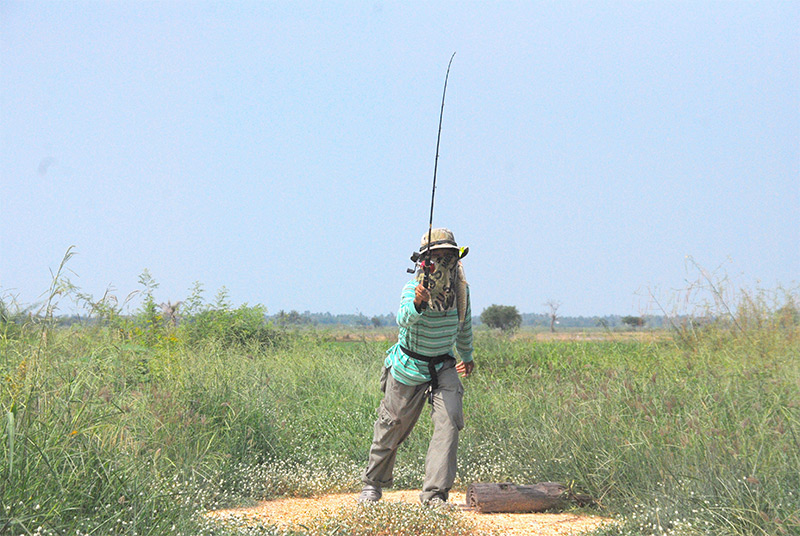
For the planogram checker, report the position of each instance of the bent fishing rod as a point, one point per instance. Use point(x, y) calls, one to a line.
point(426, 263)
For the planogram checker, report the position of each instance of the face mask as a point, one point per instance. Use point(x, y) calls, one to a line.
point(442, 282)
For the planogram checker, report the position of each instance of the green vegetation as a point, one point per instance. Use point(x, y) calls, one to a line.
point(134, 425)
point(633, 321)
point(502, 317)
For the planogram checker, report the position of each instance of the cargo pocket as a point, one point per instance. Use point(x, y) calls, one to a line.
point(386, 418)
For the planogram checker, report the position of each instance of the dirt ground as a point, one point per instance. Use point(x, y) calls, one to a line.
point(292, 512)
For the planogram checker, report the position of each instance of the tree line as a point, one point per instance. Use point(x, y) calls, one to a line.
point(494, 316)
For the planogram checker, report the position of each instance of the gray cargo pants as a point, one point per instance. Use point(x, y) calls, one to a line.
point(398, 413)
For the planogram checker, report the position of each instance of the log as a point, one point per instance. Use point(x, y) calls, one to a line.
point(495, 497)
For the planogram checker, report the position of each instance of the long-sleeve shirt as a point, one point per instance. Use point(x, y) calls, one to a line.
point(429, 333)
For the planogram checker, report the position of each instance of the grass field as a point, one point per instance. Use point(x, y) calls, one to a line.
point(129, 425)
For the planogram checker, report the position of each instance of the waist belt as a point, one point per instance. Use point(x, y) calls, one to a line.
point(432, 361)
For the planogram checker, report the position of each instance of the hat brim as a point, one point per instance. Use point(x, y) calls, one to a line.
point(461, 252)
point(438, 247)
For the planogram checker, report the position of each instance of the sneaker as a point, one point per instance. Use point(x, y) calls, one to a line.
point(437, 501)
point(370, 494)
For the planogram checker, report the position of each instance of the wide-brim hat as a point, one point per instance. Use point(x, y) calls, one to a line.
point(441, 238)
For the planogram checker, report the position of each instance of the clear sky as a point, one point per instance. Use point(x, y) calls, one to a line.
point(285, 150)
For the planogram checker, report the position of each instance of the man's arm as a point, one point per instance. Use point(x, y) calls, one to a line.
point(409, 314)
point(464, 342)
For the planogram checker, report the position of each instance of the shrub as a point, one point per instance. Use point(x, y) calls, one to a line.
point(504, 317)
point(221, 322)
point(633, 321)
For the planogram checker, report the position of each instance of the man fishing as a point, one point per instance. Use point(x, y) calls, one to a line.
point(434, 318)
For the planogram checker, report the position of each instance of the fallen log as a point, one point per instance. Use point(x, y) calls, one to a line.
point(495, 497)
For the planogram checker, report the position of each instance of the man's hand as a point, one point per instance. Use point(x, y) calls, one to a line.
point(421, 295)
point(465, 368)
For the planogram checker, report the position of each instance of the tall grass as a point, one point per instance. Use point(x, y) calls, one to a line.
point(674, 435)
point(127, 426)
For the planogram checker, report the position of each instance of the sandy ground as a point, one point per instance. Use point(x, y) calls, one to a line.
point(292, 512)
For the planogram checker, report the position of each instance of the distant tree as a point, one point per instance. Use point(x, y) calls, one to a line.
point(362, 320)
point(504, 317)
point(633, 321)
point(376, 322)
point(553, 305)
point(292, 318)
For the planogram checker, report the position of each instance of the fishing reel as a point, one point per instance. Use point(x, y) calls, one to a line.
point(429, 263)
point(426, 264)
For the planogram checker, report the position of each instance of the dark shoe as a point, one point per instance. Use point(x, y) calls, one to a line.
point(370, 494)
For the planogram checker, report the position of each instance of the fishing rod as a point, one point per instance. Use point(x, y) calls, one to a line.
point(426, 263)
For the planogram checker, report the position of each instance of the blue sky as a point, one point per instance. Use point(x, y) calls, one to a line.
point(285, 150)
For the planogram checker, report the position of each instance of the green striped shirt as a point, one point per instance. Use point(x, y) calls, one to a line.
point(429, 333)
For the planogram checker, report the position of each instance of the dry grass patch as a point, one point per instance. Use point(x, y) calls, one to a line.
point(297, 513)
